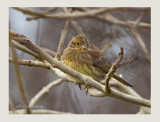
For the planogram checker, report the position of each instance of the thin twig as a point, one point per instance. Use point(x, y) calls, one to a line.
point(111, 19)
point(74, 23)
point(112, 71)
point(18, 75)
point(45, 12)
point(44, 90)
point(139, 19)
point(87, 14)
point(141, 43)
point(108, 44)
point(139, 39)
point(62, 39)
point(62, 15)
point(87, 80)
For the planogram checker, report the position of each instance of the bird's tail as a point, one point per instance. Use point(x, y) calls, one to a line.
point(121, 80)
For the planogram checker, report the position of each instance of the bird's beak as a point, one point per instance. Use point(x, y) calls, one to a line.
point(84, 46)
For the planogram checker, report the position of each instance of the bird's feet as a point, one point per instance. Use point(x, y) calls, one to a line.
point(79, 85)
point(87, 87)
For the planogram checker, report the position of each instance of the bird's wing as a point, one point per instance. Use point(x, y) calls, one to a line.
point(98, 59)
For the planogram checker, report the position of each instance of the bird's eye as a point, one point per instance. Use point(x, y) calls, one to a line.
point(77, 43)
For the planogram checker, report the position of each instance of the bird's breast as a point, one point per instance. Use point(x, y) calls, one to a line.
point(82, 63)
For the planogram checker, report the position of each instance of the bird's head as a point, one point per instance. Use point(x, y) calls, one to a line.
point(79, 42)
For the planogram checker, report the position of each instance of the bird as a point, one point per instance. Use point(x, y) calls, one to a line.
point(87, 59)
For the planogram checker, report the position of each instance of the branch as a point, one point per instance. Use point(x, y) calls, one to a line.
point(26, 50)
point(18, 75)
point(111, 19)
point(43, 65)
point(138, 37)
point(58, 72)
point(45, 12)
point(74, 23)
point(62, 39)
point(30, 63)
point(38, 111)
point(43, 91)
point(112, 71)
point(130, 91)
point(87, 14)
point(62, 15)
point(87, 80)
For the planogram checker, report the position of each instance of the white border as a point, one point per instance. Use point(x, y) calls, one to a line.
point(155, 43)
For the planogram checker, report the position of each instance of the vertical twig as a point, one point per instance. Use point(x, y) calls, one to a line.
point(62, 39)
point(112, 70)
point(19, 80)
point(74, 23)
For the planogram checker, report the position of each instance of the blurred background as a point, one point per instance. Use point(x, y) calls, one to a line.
point(67, 97)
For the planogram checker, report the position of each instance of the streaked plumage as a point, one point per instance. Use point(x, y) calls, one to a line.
point(87, 59)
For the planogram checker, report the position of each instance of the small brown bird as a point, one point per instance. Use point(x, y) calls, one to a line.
point(87, 59)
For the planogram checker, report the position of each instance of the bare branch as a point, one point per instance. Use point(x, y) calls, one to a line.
point(50, 52)
point(58, 72)
point(74, 23)
point(62, 15)
point(18, 75)
point(45, 12)
point(88, 13)
point(26, 50)
point(139, 19)
point(111, 19)
point(112, 71)
point(44, 90)
point(62, 39)
point(30, 63)
point(38, 111)
point(134, 31)
point(87, 80)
